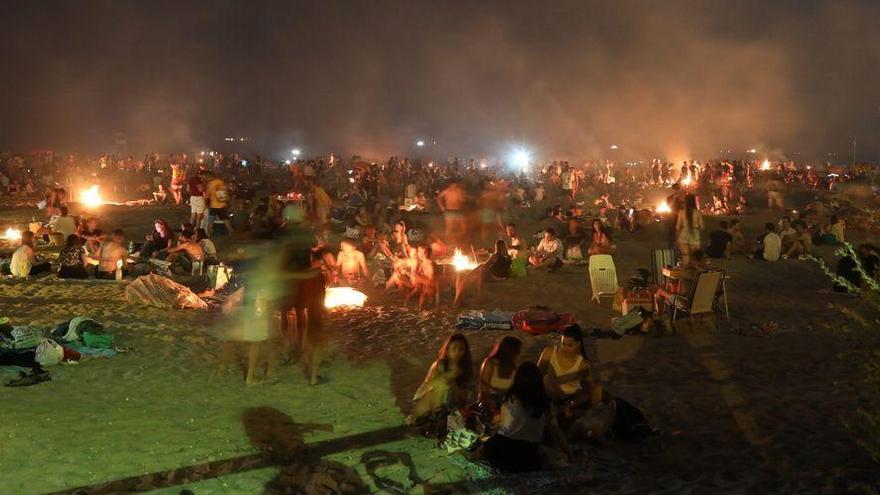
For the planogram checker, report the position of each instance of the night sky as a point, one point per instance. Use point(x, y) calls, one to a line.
point(657, 78)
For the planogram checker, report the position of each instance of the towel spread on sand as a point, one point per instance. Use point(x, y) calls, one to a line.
point(156, 290)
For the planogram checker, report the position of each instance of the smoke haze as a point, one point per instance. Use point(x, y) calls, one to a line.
point(675, 79)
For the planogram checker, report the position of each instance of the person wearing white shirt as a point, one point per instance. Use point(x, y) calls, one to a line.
point(547, 253)
point(771, 247)
point(24, 260)
point(63, 223)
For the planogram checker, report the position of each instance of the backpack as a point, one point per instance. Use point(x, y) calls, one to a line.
point(49, 353)
point(629, 422)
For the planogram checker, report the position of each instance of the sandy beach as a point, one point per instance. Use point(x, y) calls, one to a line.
point(738, 414)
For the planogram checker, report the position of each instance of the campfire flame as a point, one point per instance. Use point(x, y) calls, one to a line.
point(91, 197)
point(765, 165)
point(461, 262)
point(336, 297)
point(686, 181)
point(663, 207)
point(12, 234)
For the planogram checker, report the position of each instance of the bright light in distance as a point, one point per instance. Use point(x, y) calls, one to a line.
point(295, 151)
point(753, 150)
point(203, 153)
point(614, 146)
point(287, 162)
point(686, 181)
point(663, 207)
point(420, 143)
point(521, 158)
point(91, 197)
point(765, 165)
point(12, 234)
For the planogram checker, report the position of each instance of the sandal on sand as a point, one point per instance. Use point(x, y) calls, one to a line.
point(24, 379)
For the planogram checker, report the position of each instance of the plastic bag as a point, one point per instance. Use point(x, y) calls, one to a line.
point(49, 353)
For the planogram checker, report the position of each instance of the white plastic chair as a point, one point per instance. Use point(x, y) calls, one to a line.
point(603, 276)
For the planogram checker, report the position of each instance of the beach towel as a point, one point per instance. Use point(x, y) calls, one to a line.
point(162, 292)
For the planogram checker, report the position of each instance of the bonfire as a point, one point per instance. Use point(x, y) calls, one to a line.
point(12, 234)
point(461, 262)
point(336, 297)
point(91, 197)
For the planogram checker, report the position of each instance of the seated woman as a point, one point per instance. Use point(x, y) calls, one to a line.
point(601, 239)
point(424, 280)
point(568, 378)
point(526, 414)
point(448, 381)
point(208, 247)
point(574, 240)
point(72, 259)
point(497, 267)
point(351, 263)
point(157, 241)
point(496, 373)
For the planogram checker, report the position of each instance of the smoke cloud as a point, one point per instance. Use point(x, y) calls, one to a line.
point(794, 79)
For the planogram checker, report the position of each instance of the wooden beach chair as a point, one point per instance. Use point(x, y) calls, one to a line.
point(702, 300)
point(603, 276)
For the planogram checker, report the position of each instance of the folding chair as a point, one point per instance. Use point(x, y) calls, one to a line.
point(659, 259)
point(603, 276)
point(703, 297)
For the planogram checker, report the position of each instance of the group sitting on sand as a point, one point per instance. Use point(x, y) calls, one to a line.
point(531, 410)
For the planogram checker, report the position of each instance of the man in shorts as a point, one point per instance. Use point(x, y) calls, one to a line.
point(451, 201)
point(197, 205)
point(218, 203)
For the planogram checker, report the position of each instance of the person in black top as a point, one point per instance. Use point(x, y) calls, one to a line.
point(720, 242)
point(497, 267)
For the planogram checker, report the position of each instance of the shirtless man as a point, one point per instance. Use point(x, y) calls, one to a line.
point(423, 279)
point(351, 263)
point(451, 201)
point(186, 252)
point(110, 254)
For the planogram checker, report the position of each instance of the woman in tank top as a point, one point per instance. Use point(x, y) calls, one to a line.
point(497, 371)
point(568, 375)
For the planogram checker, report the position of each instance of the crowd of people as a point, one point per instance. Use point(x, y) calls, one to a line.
point(363, 224)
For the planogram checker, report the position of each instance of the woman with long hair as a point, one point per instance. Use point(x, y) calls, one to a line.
point(157, 240)
point(448, 380)
point(496, 373)
point(688, 227)
point(72, 259)
point(601, 239)
point(525, 416)
point(568, 377)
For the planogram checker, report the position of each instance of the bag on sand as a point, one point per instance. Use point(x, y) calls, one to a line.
point(627, 322)
point(49, 353)
point(629, 422)
point(98, 340)
point(595, 423)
